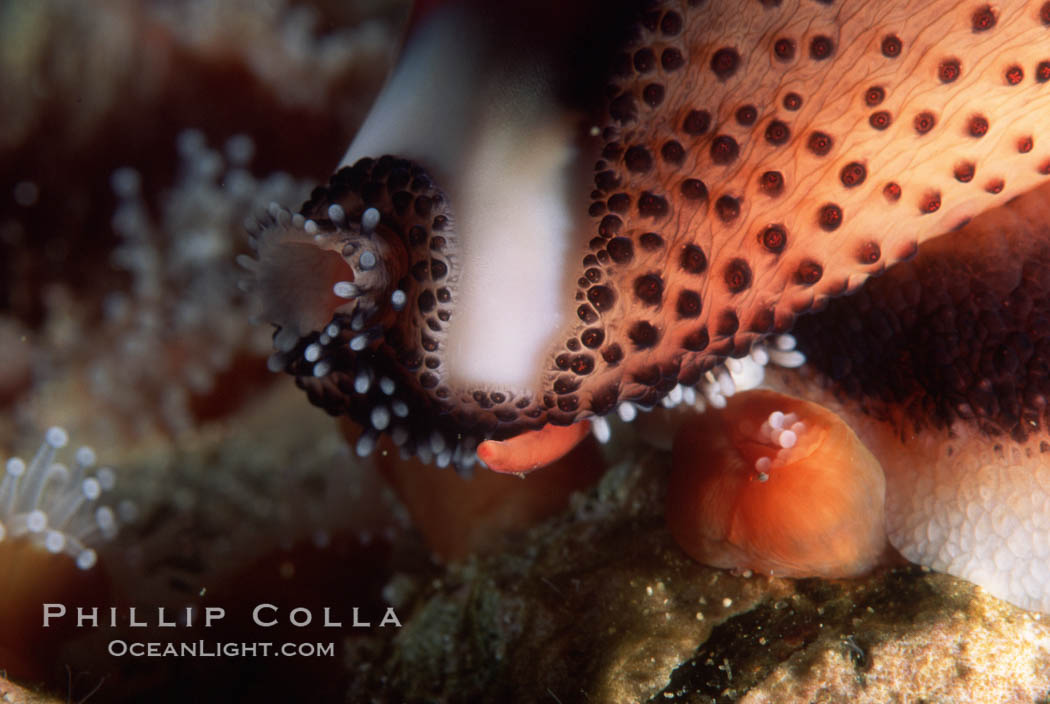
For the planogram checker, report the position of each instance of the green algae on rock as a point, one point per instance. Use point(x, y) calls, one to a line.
point(599, 605)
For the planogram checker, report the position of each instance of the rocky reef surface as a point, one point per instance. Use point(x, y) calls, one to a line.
point(599, 604)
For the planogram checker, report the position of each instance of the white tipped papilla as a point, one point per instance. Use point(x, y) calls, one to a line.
point(275, 362)
point(465, 465)
point(336, 213)
point(367, 261)
point(362, 382)
point(399, 435)
point(437, 442)
point(712, 391)
point(788, 360)
point(600, 428)
point(783, 353)
point(725, 382)
point(285, 340)
point(346, 289)
point(760, 355)
point(747, 373)
point(369, 219)
point(365, 444)
point(245, 262)
point(380, 417)
point(673, 397)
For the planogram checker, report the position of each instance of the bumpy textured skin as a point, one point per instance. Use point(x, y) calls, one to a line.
point(756, 159)
point(404, 344)
point(959, 333)
point(745, 176)
point(976, 510)
point(950, 353)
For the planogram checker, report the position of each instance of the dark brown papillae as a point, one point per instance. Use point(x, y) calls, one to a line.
point(960, 332)
point(763, 217)
point(403, 346)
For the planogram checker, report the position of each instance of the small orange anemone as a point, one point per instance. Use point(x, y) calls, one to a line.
point(779, 486)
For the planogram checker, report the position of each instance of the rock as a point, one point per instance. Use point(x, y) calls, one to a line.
point(11, 692)
point(599, 605)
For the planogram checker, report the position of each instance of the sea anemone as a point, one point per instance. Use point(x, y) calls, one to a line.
point(779, 486)
point(51, 520)
point(171, 343)
point(56, 507)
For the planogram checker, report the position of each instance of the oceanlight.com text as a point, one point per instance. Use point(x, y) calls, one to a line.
point(212, 649)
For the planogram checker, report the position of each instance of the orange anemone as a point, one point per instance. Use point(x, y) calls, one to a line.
point(779, 486)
